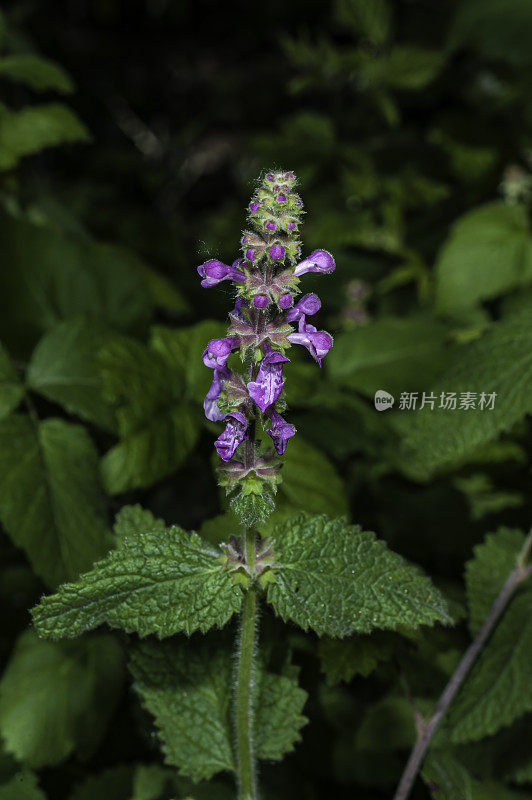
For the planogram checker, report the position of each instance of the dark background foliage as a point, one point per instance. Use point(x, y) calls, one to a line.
point(409, 126)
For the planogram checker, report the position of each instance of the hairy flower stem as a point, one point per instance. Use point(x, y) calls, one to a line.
point(427, 729)
point(246, 777)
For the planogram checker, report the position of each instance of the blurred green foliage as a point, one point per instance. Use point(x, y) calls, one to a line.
point(130, 137)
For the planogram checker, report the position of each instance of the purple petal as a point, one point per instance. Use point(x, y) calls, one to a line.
point(214, 272)
point(261, 301)
point(217, 351)
point(277, 252)
point(210, 404)
point(232, 436)
point(280, 432)
point(318, 261)
point(286, 300)
point(268, 385)
point(309, 304)
point(318, 343)
point(240, 303)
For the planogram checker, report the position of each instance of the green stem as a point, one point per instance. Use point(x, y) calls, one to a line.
point(244, 682)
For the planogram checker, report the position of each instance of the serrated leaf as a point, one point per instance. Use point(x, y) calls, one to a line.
point(337, 579)
point(158, 581)
point(498, 689)
point(51, 502)
point(278, 718)
point(64, 369)
point(486, 573)
point(37, 72)
point(188, 689)
point(394, 354)
point(22, 786)
point(310, 481)
point(133, 521)
point(59, 276)
point(499, 362)
point(57, 697)
point(182, 350)
point(157, 429)
point(342, 659)
point(11, 389)
point(34, 128)
point(488, 252)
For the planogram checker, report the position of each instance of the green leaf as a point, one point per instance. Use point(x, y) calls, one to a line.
point(448, 779)
point(34, 128)
point(57, 697)
point(64, 369)
point(498, 689)
point(500, 362)
point(368, 18)
point(163, 292)
point(501, 32)
point(112, 784)
point(310, 481)
point(51, 503)
point(342, 659)
point(23, 786)
point(336, 579)
point(37, 72)
point(488, 252)
point(188, 689)
point(133, 521)
point(153, 782)
point(157, 581)
point(182, 351)
point(486, 573)
point(157, 429)
point(59, 276)
point(394, 354)
point(11, 389)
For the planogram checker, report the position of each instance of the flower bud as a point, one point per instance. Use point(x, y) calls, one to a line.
point(286, 300)
point(260, 301)
point(277, 252)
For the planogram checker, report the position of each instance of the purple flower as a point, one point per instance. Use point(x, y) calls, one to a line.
point(309, 304)
point(210, 404)
point(240, 303)
point(290, 225)
point(286, 300)
point(318, 261)
point(261, 301)
point(214, 272)
point(271, 225)
point(217, 351)
point(233, 435)
point(281, 198)
point(318, 343)
point(268, 385)
point(253, 206)
point(280, 431)
point(277, 252)
point(250, 254)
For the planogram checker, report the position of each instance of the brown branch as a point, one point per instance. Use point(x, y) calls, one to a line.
point(520, 573)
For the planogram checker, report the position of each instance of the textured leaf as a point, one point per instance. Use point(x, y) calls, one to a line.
point(11, 389)
point(33, 128)
point(133, 521)
point(342, 659)
point(35, 71)
point(64, 369)
point(182, 350)
point(486, 573)
point(499, 687)
point(188, 689)
point(57, 697)
point(336, 579)
point(23, 786)
point(50, 498)
point(501, 362)
point(311, 482)
point(158, 581)
point(488, 252)
point(59, 276)
point(394, 354)
point(157, 429)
